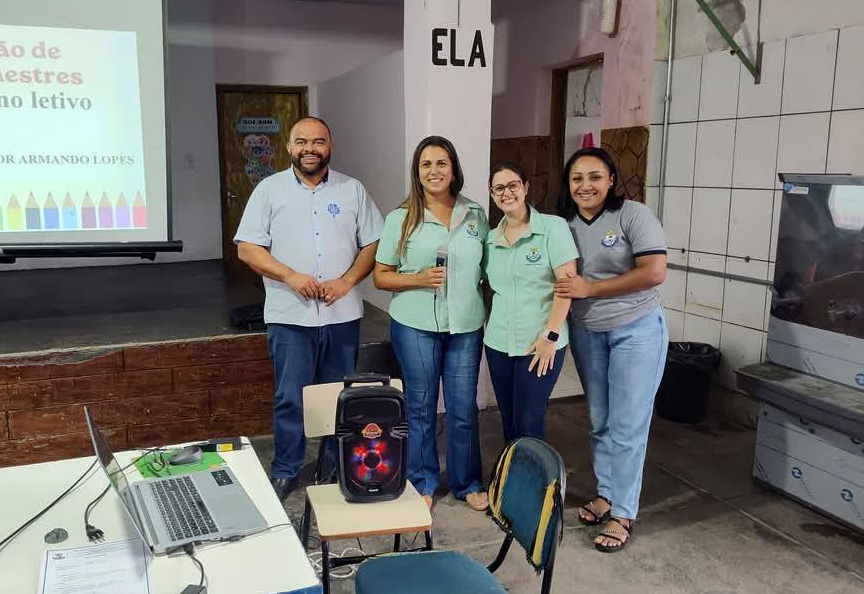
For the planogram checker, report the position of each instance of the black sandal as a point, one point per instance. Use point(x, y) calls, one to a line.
point(598, 518)
point(606, 533)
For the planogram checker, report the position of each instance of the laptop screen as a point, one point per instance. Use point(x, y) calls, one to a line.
point(112, 469)
point(106, 458)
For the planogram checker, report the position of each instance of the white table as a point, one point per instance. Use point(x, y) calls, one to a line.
point(267, 563)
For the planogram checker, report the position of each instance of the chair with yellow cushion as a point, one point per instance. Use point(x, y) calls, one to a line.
point(526, 502)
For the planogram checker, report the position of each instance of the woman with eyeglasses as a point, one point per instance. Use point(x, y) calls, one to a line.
point(430, 256)
point(526, 334)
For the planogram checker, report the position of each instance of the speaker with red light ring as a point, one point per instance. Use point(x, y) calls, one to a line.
point(372, 434)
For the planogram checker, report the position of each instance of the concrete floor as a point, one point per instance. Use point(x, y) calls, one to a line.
point(703, 527)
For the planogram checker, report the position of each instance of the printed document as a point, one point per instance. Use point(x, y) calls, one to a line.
point(105, 568)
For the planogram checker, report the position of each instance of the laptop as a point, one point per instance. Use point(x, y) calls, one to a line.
point(168, 512)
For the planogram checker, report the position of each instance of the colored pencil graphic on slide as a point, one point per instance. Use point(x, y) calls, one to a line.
point(50, 213)
point(69, 213)
point(106, 213)
point(32, 214)
point(14, 215)
point(139, 212)
point(122, 211)
point(88, 213)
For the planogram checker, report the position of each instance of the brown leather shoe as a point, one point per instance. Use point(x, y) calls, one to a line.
point(478, 501)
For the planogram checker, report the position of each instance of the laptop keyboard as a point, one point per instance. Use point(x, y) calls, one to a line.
point(182, 509)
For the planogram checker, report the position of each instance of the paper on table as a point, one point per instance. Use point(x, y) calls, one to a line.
point(106, 568)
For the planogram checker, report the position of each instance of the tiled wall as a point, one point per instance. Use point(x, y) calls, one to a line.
point(728, 138)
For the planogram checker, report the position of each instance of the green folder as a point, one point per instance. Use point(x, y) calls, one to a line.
point(155, 464)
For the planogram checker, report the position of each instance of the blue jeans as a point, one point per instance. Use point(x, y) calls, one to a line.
point(426, 358)
point(620, 371)
point(303, 356)
point(522, 396)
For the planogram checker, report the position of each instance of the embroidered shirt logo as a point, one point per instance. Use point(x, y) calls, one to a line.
point(333, 209)
point(471, 229)
point(610, 239)
point(533, 254)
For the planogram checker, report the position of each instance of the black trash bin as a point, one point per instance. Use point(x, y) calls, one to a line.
point(683, 393)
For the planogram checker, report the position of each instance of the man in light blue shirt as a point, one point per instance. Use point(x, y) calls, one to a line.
point(312, 233)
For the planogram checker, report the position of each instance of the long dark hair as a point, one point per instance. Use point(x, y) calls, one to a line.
point(416, 201)
point(567, 208)
point(508, 166)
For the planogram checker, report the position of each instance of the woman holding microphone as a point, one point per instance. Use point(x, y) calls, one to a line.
point(526, 334)
point(430, 256)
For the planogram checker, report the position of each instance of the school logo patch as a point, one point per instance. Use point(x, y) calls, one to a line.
point(333, 209)
point(610, 239)
point(471, 229)
point(533, 255)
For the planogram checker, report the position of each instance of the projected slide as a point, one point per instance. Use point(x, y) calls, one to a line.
point(71, 148)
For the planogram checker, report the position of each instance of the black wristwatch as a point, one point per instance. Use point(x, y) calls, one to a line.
point(551, 336)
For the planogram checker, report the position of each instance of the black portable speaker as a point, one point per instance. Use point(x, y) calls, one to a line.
point(372, 434)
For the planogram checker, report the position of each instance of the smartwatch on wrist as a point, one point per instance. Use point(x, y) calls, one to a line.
point(551, 336)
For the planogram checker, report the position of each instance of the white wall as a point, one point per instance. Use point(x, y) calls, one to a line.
point(728, 140)
point(285, 42)
point(533, 38)
point(193, 139)
point(530, 39)
point(369, 136)
point(450, 101)
point(263, 42)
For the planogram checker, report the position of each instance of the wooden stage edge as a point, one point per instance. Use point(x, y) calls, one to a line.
point(142, 395)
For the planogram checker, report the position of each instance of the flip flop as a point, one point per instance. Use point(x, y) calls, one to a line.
point(598, 518)
point(622, 542)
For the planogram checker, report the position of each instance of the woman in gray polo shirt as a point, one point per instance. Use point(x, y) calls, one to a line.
point(617, 332)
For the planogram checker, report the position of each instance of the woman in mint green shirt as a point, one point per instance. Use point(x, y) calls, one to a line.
point(526, 332)
point(429, 256)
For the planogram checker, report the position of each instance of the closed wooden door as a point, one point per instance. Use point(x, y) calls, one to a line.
point(254, 123)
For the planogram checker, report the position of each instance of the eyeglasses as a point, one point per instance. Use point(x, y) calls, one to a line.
point(513, 186)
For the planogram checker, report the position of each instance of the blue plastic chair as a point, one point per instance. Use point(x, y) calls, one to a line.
point(526, 502)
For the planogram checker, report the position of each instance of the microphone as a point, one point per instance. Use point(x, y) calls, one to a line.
point(440, 260)
point(441, 256)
